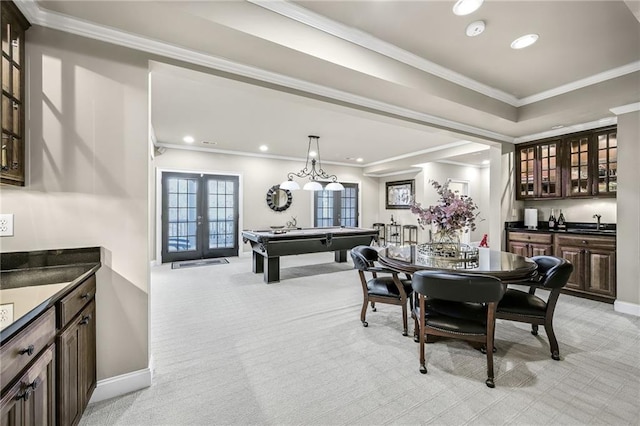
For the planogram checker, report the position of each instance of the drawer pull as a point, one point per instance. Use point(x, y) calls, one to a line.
point(28, 350)
point(86, 296)
point(584, 242)
point(85, 320)
point(31, 387)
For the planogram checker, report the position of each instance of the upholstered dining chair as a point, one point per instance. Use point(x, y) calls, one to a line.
point(379, 284)
point(523, 306)
point(458, 306)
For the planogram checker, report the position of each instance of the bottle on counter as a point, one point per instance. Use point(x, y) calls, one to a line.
point(552, 220)
point(562, 224)
point(393, 222)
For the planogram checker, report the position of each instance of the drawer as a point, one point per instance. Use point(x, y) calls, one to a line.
point(72, 303)
point(586, 241)
point(531, 237)
point(26, 345)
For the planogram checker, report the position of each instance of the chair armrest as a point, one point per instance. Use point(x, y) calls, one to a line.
point(380, 269)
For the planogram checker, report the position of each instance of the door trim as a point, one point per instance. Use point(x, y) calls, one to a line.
point(155, 209)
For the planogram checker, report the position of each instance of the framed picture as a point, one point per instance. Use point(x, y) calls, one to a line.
point(399, 194)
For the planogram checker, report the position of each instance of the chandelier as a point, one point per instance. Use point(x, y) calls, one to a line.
point(313, 172)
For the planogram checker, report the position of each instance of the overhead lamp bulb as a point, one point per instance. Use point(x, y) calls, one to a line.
point(312, 170)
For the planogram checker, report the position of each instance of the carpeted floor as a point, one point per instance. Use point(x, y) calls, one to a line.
point(231, 350)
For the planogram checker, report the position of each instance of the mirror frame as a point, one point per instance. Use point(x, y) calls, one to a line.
point(271, 193)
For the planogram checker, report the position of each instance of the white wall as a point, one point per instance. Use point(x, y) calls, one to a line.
point(258, 174)
point(478, 179)
point(87, 179)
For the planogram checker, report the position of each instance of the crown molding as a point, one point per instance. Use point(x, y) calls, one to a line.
point(396, 173)
point(57, 21)
point(608, 121)
point(372, 43)
point(625, 109)
point(461, 164)
point(360, 38)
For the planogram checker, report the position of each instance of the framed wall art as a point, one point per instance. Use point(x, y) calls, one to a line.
point(399, 194)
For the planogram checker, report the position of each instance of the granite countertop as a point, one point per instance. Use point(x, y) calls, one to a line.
point(31, 282)
point(606, 229)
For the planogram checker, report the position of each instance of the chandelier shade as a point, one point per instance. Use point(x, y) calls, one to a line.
point(312, 170)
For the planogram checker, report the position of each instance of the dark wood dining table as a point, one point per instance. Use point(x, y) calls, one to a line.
point(508, 267)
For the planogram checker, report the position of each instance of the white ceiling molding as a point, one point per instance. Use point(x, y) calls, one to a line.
point(458, 163)
point(424, 151)
point(374, 44)
point(608, 121)
point(579, 84)
point(57, 21)
point(367, 41)
point(399, 172)
point(625, 109)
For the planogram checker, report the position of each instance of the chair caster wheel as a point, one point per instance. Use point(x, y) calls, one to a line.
point(365, 324)
point(535, 333)
point(490, 383)
point(374, 309)
point(556, 356)
point(483, 349)
point(423, 369)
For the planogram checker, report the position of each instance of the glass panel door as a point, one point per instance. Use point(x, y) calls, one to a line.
point(199, 216)
point(527, 165)
point(549, 169)
point(336, 208)
point(579, 176)
point(607, 162)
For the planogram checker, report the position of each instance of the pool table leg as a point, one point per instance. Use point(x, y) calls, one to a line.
point(341, 256)
point(271, 269)
point(258, 263)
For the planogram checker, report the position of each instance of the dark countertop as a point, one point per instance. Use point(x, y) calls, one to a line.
point(606, 229)
point(31, 282)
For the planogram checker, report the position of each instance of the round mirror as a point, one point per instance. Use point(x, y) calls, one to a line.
point(278, 199)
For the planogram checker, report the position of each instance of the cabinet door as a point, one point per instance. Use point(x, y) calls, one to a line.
point(601, 272)
point(579, 182)
point(525, 172)
point(549, 170)
point(31, 401)
point(606, 175)
point(519, 248)
point(541, 250)
point(575, 255)
point(76, 366)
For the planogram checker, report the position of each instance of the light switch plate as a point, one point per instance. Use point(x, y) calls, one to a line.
point(6, 225)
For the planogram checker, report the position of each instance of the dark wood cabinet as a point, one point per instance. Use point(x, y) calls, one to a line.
point(30, 398)
point(530, 244)
point(12, 107)
point(594, 264)
point(76, 349)
point(581, 164)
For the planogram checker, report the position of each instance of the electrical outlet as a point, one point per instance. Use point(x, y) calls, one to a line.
point(6, 225)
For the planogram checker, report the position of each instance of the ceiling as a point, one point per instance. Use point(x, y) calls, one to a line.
point(394, 82)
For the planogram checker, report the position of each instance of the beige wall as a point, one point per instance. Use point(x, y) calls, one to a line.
point(87, 179)
point(258, 174)
point(628, 241)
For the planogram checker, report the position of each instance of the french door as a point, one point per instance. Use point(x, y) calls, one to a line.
point(336, 208)
point(199, 216)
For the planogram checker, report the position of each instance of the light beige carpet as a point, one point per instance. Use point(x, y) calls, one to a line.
point(231, 350)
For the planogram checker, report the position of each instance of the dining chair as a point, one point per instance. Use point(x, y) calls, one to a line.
point(380, 284)
point(458, 306)
point(525, 306)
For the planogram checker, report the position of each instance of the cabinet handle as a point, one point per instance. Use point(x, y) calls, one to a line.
point(584, 242)
point(85, 320)
point(31, 387)
point(28, 350)
point(86, 296)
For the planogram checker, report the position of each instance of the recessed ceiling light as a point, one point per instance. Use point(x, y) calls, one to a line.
point(486, 161)
point(524, 41)
point(264, 148)
point(188, 139)
point(359, 160)
point(312, 154)
point(465, 7)
point(475, 28)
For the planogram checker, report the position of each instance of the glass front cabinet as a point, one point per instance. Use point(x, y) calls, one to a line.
point(12, 154)
point(582, 164)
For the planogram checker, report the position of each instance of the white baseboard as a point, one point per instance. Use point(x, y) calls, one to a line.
point(626, 308)
point(123, 384)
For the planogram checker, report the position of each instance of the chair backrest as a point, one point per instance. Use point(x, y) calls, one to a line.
point(363, 257)
point(554, 271)
point(458, 287)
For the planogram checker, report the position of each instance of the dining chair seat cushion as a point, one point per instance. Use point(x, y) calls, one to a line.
point(384, 286)
point(522, 303)
point(456, 325)
point(461, 310)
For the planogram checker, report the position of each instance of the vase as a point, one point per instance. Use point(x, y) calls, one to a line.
point(446, 243)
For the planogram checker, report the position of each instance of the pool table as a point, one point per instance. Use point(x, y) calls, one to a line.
point(268, 246)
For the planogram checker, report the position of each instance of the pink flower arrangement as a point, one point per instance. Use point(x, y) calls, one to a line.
point(454, 212)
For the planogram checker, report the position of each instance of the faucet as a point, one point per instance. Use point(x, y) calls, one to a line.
point(597, 217)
